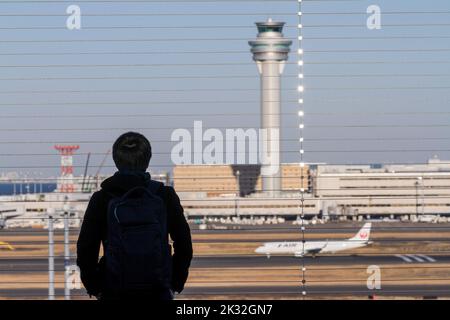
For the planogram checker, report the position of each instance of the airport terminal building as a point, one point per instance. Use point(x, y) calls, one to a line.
point(340, 190)
point(236, 190)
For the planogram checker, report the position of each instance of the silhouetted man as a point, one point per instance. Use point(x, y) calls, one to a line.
point(132, 216)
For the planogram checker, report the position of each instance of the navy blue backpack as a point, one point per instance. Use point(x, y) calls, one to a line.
point(137, 252)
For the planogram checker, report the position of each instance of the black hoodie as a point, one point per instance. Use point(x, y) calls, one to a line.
point(94, 228)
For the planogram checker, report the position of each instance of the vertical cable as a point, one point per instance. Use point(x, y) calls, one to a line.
point(301, 115)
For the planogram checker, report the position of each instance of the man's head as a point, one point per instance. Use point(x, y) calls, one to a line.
point(132, 151)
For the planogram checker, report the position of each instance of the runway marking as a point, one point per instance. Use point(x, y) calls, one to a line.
point(404, 258)
point(413, 256)
point(430, 259)
point(410, 258)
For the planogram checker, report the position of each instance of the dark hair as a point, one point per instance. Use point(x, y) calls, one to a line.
point(132, 151)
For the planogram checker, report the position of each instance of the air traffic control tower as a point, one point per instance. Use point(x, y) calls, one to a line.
point(270, 51)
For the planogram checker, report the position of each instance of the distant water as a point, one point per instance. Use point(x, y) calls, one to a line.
point(8, 188)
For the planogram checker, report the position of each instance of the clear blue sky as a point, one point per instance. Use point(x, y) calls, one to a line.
point(339, 94)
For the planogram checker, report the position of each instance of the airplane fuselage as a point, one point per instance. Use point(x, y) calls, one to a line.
point(310, 247)
point(299, 248)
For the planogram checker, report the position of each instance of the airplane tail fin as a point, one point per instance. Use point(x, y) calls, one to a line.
point(363, 234)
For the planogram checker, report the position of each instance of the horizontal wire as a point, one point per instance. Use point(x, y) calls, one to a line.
point(425, 228)
point(312, 268)
point(233, 90)
point(231, 282)
point(191, 77)
point(225, 39)
point(267, 140)
point(237, 255)
point(381, 88)
point(59, 104)
point(184, 77)
point(225, 26)
point(167, 166)
point(246, 127)
point(154, 1)
point(147, 14)
point(322, 281)
point(18, 243)
point(141, 27)
point(250, 63)
point(443, 240)
point(383, 12)
point(147, 1)
point(384, 25)
point(334, 51)
point(178, 115)
point(164, 1)
point(135, 40)
point(321, 114)
point(165, 52)
point(325, 293)
point(378, 62)
point(202, 152)
point(393, 163)
point(137, 78)
point(366, 38)
point(376, 176)
point(247, 52)
point(269, 268)
point(245, 199)
point(216, 292)
point(133, 14)
point(375, 50)
point(198, 90)
point(186, 202)
point(242, 293)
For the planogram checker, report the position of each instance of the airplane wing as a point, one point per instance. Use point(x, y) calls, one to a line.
point(312, 251)
point(12, 216)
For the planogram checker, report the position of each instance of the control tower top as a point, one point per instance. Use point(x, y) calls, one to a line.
point(270, 43)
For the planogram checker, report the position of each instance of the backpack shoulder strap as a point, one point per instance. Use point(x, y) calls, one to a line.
point(155, 187)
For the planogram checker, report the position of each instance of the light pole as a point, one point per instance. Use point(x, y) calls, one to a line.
point(238, 192)
point(51, 257)
point(40, 181)
point(66, 250)
point(27, 186)
point(421, 184)
point(417, 198)
point(20, 183)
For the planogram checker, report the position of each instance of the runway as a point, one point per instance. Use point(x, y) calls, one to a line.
point(329, 291)
point(41, 264)
point(333, 228)
point(282, 287)
point(255, 292)
point(414, 259)
point(277, 261)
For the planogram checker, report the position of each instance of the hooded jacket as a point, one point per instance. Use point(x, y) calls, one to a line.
point(94, 230)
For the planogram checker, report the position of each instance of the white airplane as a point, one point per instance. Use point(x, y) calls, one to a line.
point(361, 239)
